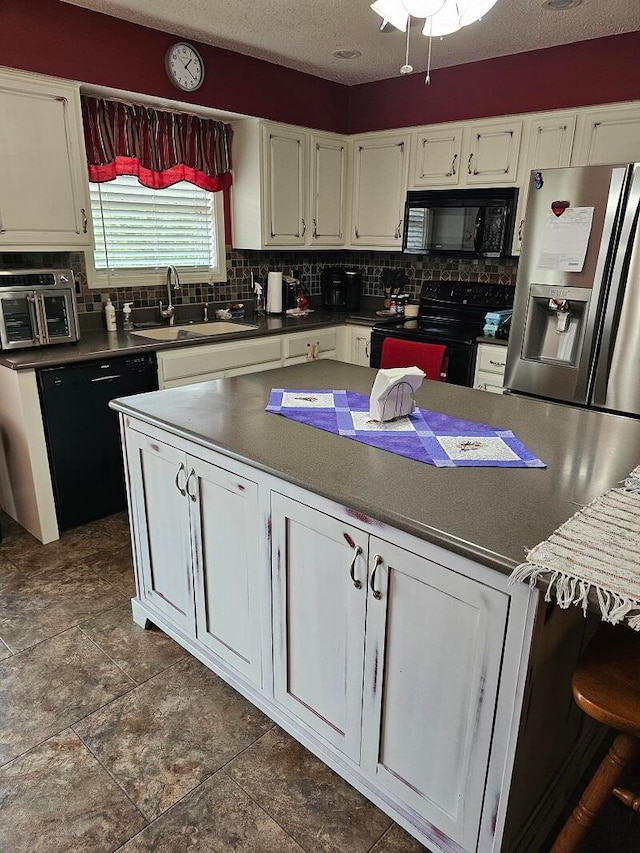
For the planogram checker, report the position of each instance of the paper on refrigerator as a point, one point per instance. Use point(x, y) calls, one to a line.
point(566, 240)
point(392, 395)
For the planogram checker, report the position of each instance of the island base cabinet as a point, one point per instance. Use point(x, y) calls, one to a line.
point(160, 515)
point(434, 644)
point(196, 533)
point(319, 589)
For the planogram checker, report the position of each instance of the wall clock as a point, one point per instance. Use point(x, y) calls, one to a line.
point(184, 66)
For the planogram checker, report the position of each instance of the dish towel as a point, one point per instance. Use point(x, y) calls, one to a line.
point(425, 436)
point(597, 550)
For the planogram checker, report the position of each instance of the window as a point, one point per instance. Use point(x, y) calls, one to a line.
point(138, 232)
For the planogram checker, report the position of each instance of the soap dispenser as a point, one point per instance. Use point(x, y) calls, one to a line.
point(110, 316)
point(127, 325)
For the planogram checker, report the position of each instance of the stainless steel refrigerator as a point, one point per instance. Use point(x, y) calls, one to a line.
point(575, 330)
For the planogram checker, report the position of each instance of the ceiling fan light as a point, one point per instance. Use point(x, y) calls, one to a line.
point(473, 10)
point(392, 11)
point(423, 8)
point(445, 22)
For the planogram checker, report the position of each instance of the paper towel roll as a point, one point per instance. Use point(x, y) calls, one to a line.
point(274, 293)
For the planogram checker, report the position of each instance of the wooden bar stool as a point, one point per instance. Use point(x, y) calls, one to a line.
point(606, 686)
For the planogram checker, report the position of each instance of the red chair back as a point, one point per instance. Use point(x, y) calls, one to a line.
point(430, 358)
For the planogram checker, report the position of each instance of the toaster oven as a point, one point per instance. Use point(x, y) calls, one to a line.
point(37, 308)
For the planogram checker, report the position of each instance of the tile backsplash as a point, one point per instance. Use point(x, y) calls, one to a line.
point(307, 265)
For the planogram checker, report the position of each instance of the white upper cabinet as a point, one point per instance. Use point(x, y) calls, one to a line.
point(549, 146)
point(380, 167)
point(437, 153)
point(285, 171)
point(43, 181)
point(492, 152)
point(608, 135)
point(328, 183)
point(288, 186)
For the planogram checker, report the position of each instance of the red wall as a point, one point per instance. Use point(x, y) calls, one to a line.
point(51, 37)
point(598, 71)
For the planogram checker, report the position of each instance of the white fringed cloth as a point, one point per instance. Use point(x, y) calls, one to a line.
point(596, 551)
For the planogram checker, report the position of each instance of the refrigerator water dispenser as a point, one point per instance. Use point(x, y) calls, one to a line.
point(555, 324)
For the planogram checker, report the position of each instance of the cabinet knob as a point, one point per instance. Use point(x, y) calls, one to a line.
point(352, 568)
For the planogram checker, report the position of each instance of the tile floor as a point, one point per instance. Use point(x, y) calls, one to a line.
point(113, 738)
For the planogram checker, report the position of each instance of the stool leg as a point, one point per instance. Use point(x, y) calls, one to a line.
point(623, 750)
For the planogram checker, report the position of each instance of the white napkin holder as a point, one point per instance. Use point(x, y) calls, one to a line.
point(393, 393)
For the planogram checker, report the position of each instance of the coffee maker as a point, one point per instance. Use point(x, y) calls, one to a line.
point(341, 288)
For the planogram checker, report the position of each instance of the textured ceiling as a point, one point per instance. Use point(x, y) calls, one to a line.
point(303, 34)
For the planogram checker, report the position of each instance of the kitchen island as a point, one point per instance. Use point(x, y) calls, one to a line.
point(361, 599)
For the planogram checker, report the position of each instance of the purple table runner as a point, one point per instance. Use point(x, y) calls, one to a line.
point(430, 437)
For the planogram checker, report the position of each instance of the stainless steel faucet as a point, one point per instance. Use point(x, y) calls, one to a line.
point(173, 281)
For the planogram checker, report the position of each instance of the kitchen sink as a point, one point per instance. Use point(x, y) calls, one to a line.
point(194, 330)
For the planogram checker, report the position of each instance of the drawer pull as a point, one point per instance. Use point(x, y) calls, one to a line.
point(181, 489)
point(497, 363)
point(352, 568)
point(376, 592)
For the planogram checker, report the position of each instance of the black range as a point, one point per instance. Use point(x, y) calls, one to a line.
point(450, 313)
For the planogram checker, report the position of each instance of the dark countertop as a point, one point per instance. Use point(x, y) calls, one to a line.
point(99, 343)
point(492, 515)
point(485, 339)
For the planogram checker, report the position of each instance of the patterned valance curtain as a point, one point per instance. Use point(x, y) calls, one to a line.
point(158, 146)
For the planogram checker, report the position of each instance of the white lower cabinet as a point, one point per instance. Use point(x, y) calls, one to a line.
point(319, 589)
point(196, 533)
point(418, 718)
point(160, 515)
point(491, 361)
point(434, 643)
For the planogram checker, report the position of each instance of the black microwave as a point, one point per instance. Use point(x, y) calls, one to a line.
point(473, 223)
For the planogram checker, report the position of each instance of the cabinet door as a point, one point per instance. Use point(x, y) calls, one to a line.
point(43, 182)
point(285, 172)
point(609, 137)
point(379, 188)
point(319, 590)
point(160, 503)
point(328, 174)
point(437, 157)
point(550, 146)
point(493, 153)
point(225, 518)
point(433, 657)
point(360, 346)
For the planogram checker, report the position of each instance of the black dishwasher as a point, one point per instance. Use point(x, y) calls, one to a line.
point(83, 436)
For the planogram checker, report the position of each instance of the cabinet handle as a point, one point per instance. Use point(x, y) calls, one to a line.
point(367, 348)
point(304, 228)
point(453, 164)
point(355, 231)
point(469, 163)
point(84, 220)
point(315, 228)
point(352, 568)
point(192, 473)
point(520, 227)
point(181, 489)
point(378, 562)
point(399, 230)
